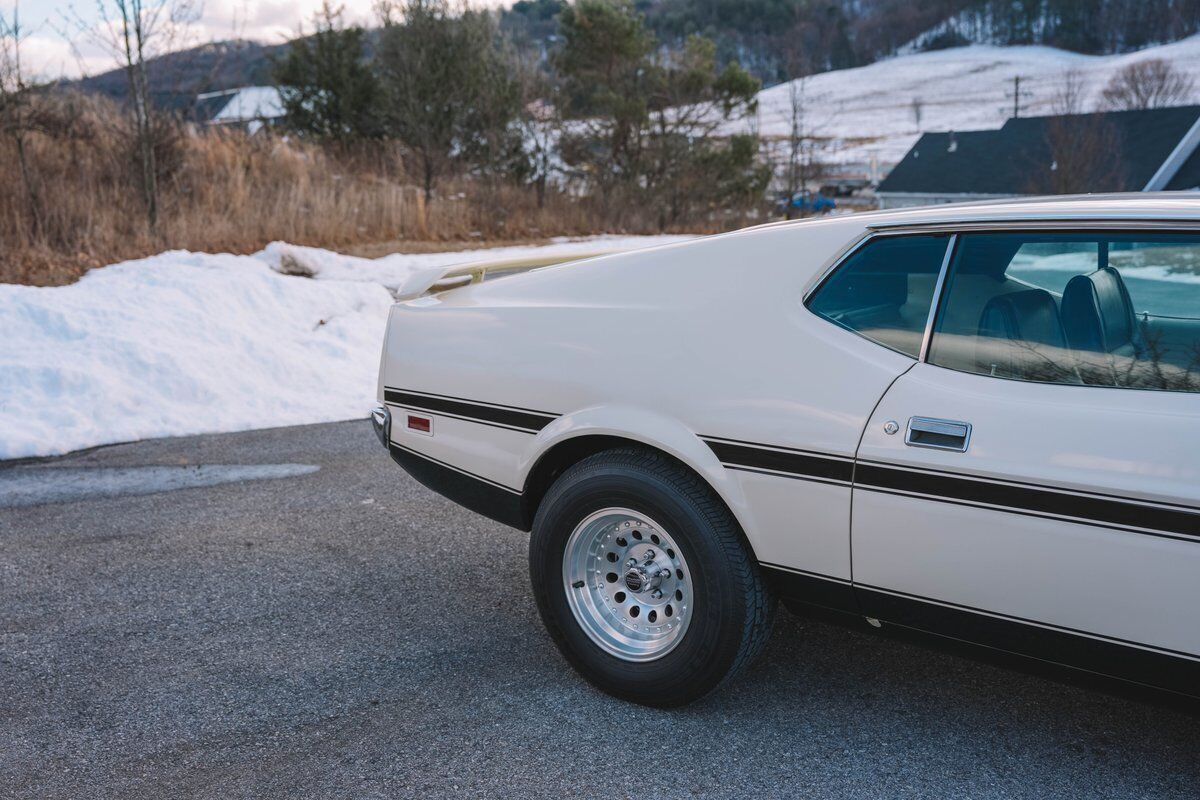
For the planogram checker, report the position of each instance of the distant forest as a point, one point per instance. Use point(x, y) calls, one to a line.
point(772, 39)
point(780, 39)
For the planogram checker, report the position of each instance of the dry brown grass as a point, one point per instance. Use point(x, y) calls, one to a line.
point(225, 191)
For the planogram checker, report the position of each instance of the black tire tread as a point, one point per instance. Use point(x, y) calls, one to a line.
point(760, 602)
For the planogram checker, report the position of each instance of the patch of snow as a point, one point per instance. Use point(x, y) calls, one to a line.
point(867, 113)
point(184, 343)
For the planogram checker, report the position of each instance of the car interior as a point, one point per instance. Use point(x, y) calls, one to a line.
point(995, 323)
point(1035, 307)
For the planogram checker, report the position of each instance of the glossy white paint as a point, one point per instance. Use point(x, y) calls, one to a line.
point(662, 346)
point(1129, 585)
point(711, 338)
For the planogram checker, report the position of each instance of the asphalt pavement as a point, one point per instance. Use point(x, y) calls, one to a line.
point(284, 613)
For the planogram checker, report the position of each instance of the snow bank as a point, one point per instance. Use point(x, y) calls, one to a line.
point(183, 343)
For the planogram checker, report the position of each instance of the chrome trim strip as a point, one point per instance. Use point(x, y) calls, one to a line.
point(1039, 223)
point(936, 300)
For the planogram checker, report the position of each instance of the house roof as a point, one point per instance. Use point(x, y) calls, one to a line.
point(247, 104)
point(1019, 156)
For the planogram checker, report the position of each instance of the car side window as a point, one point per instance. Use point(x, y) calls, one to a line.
point(1096, 309)
point(883, 290)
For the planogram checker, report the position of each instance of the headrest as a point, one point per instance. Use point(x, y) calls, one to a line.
point(1030, 315)
point(1097, 312)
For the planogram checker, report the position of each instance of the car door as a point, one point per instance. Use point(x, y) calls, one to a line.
point(1033, 483)
point(788, 436)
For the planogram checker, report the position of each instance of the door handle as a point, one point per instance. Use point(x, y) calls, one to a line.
point(940, 434)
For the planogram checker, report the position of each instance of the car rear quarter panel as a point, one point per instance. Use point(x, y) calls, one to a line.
point(660, 346)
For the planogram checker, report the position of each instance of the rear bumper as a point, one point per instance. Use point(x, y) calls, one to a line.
point(381, 421)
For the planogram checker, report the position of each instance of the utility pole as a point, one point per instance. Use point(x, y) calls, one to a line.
point(1018, 95)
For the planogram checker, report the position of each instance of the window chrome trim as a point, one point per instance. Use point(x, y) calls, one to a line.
point(936, 301)
point(1040, 224)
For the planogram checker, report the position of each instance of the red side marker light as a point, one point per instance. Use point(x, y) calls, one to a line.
point(420, 424)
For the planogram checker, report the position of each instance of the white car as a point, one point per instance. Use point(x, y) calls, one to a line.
point(979, 424)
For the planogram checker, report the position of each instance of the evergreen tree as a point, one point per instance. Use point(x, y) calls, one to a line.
point(647, 121)
point(327, 87)
point(448, 93)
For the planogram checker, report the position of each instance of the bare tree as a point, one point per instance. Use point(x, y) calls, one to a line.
point(18, 117)
point(1070, 94)
point(1082, 155)
point(804, 164)
point(1152, 83)
point(1082, 151)
point(133, 31)
point(539, 122)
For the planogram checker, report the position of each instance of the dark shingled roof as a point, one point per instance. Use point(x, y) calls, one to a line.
point(1010, 160)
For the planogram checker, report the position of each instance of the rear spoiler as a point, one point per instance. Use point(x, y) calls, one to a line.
point(439, 279)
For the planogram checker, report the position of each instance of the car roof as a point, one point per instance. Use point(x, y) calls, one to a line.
point(1133, 206)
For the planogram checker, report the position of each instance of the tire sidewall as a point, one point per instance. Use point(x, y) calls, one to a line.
point(708, 648)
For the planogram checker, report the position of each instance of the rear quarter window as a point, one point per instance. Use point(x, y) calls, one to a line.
point(884, 289)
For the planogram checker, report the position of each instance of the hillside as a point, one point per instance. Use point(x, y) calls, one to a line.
point(776, 39)
point(176, 78)
point(868, 112)
point(771, 38)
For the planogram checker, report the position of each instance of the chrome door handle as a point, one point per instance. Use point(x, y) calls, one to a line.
point(940, 434)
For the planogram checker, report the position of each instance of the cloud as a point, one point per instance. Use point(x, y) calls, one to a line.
point(49, 54)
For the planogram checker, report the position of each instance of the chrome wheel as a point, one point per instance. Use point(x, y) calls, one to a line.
point(627, 584)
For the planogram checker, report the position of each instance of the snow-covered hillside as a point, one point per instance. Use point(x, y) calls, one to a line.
point(184, 343)
point(869, 111)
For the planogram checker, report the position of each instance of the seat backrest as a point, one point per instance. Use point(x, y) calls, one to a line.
point(1097, 313)
point(1021, 336)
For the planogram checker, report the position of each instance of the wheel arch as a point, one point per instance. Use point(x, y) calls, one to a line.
point(572, 438)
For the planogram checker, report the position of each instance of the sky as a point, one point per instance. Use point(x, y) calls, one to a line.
point(61, 33)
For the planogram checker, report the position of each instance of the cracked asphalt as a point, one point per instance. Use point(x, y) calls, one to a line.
point(285, 632)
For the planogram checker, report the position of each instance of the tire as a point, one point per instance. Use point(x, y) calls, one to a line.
point(717, 611)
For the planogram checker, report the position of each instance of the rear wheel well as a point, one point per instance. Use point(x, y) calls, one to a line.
point(559, 458)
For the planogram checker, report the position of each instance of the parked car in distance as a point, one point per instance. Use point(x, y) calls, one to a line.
point(977, 424)
point(806, 202)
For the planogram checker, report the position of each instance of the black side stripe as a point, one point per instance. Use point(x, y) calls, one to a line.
point(476, 420)
point(791, 463)
point(868, 588)
point(523, 419)
point(812, 587)
point(1155, 667)
point(1104, 511)
point(1102, 495)
point(1126, 514)
point(459, 470)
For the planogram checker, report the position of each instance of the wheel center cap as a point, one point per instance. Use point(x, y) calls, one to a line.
point(636, 580)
